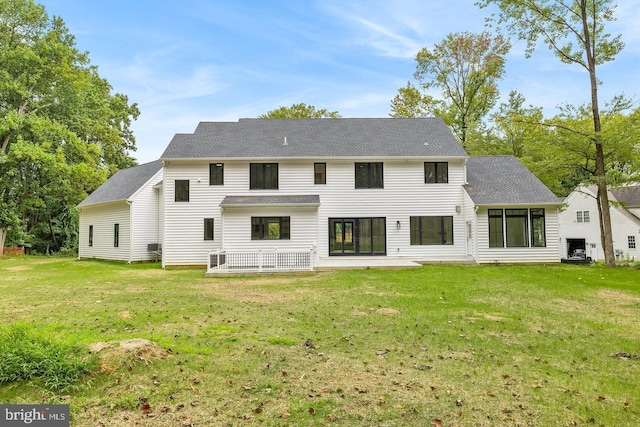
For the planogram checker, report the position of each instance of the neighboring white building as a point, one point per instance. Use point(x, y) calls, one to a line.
point(123, 217)
point(580, 225)
point(374, 187)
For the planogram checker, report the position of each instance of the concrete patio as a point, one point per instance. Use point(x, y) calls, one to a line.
point(363, 262)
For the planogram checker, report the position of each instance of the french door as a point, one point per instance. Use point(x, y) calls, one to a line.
point(357, 236)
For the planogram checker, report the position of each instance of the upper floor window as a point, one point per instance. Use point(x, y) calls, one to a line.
point(431, 230)
point(182, 190)
point(436, 172)
point(319, 173)
point(263, 176)
point(582, 216)
point(631, 240)
point(270, 228)
point(369, 175)
point(216, 173)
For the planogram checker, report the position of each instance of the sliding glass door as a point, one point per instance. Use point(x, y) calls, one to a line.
point(357, 236)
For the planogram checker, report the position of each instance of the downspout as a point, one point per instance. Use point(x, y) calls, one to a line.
point(130, 203)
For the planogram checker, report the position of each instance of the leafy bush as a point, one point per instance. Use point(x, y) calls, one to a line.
point(27, 355)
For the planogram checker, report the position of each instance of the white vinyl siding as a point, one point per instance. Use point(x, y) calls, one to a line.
point(103, 217)
point(405, 194)
point(139, 222)
point(145, 215)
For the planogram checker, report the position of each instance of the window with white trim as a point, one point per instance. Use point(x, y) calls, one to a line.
point(582, 216)
point(631, 240)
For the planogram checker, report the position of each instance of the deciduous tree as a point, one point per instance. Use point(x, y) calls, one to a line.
point(574, 30)
point(464, 68)
point(299, 111)
point(62, 131)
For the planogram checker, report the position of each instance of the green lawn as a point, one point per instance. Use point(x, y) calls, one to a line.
point(440, 345)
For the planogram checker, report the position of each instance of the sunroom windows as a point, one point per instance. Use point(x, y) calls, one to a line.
point(517, 228)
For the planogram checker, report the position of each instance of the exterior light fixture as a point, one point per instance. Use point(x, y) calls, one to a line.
point(398, 226)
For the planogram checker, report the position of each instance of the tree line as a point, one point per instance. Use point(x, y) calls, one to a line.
point(63, 132)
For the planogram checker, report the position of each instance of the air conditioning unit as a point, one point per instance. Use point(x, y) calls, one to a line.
point(154, 247)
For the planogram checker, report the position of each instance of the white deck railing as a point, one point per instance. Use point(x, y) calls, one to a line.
point(263, 260)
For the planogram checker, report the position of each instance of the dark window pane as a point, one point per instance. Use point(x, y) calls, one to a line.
point(263, 176)
point(369, 175)
point(208, 229)
point(116, 235)
point(271, 176)
point(429, 172)
point(362, 175)
point(319, 173)
point(414, 227)
point(91, 235)
point(443, 172)
point(375, 173)
point(256, 229)
point(270, 228)
point(182, 190)
point(436, 172)
point(496, 236)
point(431, 230)
point(447, 230)
point(516, 222)
point(216, 174)
point(538, 237)
point(255, 176)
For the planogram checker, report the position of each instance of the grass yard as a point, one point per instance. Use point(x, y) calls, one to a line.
point(442, 345)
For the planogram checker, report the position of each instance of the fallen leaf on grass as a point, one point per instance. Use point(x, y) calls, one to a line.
point(436, 422)
point(285, 415)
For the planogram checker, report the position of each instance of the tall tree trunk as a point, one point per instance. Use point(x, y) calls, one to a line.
point(605, 211)
point(603, 194)
point(3, 235)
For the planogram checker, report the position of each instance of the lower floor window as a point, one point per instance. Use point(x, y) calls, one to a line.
point(431, 230)
point(208, 229)
point(116, 235)
point(517, 228)
point(270, 228)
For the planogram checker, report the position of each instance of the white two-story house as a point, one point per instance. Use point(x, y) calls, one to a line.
point(350, 187)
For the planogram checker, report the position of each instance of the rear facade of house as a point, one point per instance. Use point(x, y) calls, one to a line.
point(349, 188)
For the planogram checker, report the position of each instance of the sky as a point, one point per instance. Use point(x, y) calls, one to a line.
point(189, 61)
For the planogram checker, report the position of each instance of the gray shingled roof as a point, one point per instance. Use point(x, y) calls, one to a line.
point(123, 184)
point(285, 200)
point(503, 180)
point(317, 138)
point(630, 196)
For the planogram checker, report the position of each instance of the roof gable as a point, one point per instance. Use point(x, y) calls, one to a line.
point(503, 180)
point(123, 184)
point(317, 138)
